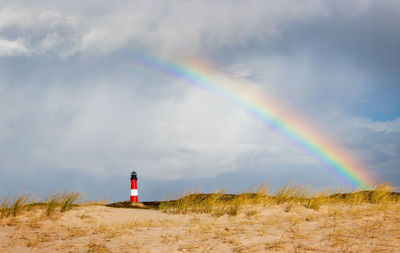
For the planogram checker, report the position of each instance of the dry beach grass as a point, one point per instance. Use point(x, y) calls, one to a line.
point(291, 220)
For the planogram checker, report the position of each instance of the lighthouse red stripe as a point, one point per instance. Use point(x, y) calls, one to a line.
point(134, 191)
point(133, 184)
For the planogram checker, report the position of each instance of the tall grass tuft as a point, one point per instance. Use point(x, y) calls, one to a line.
point(289, 192)
point(52, 202)
point(64, 201)
point(5, 209)
point(14, 206)
point(68, 200)
point(263, 194)
point(19, 204)
point(289, 206)
point(317, 199)
point(382, 193)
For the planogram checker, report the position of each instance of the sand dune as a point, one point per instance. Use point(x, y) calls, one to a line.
point(256, 228)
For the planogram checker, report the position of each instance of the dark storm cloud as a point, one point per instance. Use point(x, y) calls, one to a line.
point(367, 40)
point(370, 38)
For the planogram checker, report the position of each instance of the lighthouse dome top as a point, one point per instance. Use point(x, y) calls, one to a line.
point(133, 175)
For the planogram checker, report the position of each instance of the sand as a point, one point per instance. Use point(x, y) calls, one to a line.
point(334, 228)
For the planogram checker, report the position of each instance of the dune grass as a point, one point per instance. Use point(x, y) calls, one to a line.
point(14, 206)
point(68, 200)
point(20, 203)
point(220, 203)
point(61, 202)
point(5, 209)
point(51, 203)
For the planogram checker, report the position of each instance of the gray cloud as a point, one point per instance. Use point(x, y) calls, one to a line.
point(70, 104)
point(180, 27)
point(26, 31)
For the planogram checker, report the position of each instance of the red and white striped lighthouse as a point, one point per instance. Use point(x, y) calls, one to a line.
point(134, 191)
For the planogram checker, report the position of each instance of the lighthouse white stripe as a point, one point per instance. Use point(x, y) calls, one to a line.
point(134, 192)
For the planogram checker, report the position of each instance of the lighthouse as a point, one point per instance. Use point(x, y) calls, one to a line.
point(134, 191)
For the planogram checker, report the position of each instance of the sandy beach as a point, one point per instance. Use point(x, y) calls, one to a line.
point(333, 228)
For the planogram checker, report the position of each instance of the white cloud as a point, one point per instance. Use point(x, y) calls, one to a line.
point(391, 126)
point(114, 129)
point(9, 48)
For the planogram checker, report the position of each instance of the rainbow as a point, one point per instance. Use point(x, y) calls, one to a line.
point(267, 111)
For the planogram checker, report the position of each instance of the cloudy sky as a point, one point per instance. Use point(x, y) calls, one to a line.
point(75, 116)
